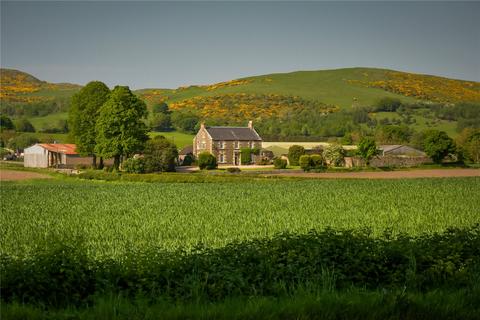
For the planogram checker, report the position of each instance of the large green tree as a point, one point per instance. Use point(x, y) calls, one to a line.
point(83, 116)
point(437, 145)
point(120, 128)
point(160, 155)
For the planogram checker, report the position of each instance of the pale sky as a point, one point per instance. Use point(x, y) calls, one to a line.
point(168, 44)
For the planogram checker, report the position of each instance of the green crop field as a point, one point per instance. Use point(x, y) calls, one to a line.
point(112, 217)
point(206, 250)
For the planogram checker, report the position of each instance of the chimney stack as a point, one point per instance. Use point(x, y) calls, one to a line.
point(202, 125)
point(250, 124)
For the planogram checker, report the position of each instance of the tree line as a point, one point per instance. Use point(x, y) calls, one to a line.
point(112, 124)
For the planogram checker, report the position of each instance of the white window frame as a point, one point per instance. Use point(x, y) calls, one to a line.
point(221, 157)
point(236, 144)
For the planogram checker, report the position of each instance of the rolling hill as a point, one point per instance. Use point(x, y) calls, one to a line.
point(299, 102)
point(23, 88)
point(340, 87)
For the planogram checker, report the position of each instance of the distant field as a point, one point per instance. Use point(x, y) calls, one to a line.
point(115, 217)
point(50, 137)
point(422, 123)
point(179, 138)
point(48, 121)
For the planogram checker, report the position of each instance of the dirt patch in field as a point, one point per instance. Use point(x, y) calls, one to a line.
point(10, 175)
point(432, 173)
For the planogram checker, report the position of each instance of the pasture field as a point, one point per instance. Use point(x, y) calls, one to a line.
point(47, 121)
point(115, 217)
point(179, 138)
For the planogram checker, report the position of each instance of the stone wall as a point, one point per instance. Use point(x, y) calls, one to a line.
point(387, 161)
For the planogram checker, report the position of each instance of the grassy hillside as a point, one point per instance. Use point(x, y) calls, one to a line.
point(340, 87)
point(284, 105)
point(20, 87)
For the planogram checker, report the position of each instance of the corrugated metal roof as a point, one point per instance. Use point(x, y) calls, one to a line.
point(65, 148)
point(233, 133)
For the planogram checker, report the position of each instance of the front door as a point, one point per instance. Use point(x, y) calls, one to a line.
point(236, 158)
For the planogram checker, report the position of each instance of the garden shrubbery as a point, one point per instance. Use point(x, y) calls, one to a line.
point(279, 163)
point(314, 162)
point(206, 160)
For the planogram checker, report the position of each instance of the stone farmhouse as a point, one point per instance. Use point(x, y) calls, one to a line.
point(225, 143)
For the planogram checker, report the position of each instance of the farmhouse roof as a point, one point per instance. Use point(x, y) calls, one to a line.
point(65, 148)
point(233, 133)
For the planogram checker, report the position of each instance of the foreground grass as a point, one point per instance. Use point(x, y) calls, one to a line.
point(116, 216)
point(352, 304)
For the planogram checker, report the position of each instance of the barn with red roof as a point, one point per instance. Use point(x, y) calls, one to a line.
point(58, 155)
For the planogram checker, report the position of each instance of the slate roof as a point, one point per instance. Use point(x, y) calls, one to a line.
point(186, 150)
point(233, 133)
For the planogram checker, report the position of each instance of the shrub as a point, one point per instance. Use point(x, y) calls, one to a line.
point(468, 145)
point(305, 162)
point(317, 162)
point(279, 163)
point(313, 162)
point(233, 170)
point(246, 156)
point(294, 153)
point(23, 125)
point(335, 155)
point(134, 165)
point(206, 160)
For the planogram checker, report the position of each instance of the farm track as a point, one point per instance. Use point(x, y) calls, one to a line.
point(12, 175)
point(412, 174)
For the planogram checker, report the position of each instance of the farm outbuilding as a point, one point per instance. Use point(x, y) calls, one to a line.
point(44, 155)
point(400, 150)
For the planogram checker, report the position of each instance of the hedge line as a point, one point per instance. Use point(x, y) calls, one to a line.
point(63, 273)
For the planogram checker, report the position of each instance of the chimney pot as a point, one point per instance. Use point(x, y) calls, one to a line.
point(250, 124)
